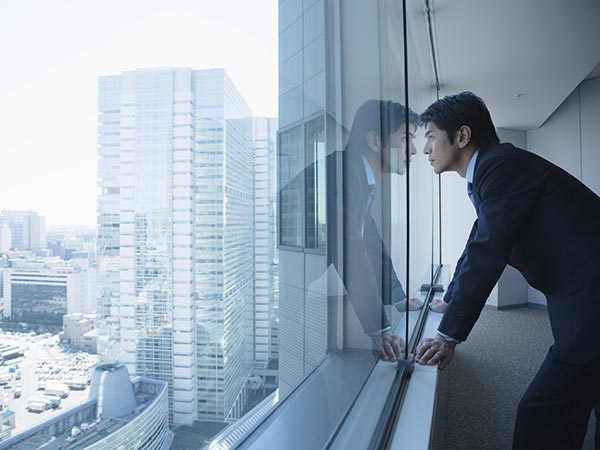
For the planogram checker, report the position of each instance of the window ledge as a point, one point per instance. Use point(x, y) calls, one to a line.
point(308, 415)
point(414, 428)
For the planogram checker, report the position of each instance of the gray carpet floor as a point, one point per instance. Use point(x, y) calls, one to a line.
point(487, 378)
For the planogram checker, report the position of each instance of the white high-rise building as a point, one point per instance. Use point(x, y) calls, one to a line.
point(107, 245)
point(28, 230)
point(265, 240)
point(175, 241)
point(224, 279)
point(5, 237)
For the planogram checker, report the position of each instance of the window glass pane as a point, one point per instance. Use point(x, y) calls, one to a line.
point(422, 181)
point(315, 184)
point(337, 307)
point(243, 258)
point(291, 197)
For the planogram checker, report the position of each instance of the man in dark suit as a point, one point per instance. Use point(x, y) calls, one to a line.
point(539, 219)
point(376, 146)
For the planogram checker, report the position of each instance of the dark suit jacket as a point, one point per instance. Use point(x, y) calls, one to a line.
point(369, 275)
point(539, 219)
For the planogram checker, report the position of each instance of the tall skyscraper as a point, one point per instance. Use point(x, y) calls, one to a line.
point(109, 220)
point(223, 197)
point(175, 237)
point(265, 241)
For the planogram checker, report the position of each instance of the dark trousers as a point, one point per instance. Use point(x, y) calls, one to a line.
point(597, 435)
point(555, 410)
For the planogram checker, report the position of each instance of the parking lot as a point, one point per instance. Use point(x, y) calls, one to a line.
point(45, 361)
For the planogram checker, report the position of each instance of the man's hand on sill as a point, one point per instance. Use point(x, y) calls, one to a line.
point(437, 350)
point(438, 305)
point(389, 346)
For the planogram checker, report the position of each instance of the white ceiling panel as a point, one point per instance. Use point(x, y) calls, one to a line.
point(523, 57)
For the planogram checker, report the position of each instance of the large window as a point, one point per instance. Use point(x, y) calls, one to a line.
point(314, 143)
point(242, 258)
point(358, 245)
point(291, 199)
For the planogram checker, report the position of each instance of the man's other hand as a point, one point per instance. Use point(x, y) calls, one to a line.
point(438, 305)
point(414, 304)
point(390, 346)
point(435, 351)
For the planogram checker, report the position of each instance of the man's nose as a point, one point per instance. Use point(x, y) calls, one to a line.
point(413, 149)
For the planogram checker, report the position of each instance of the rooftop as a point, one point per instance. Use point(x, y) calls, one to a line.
point(86, 433)
point(45, 361)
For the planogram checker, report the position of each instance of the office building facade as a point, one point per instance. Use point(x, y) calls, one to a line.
point(174, 240)
point(28, 230)
point(38, 292)
point(265, 239)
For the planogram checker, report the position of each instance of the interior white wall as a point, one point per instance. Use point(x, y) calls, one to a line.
point(569, 139)
point(458, 215)
point(516, 137)
point(558, 140)
point(511, 289)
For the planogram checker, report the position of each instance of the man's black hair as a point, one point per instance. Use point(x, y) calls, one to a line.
point(382, 116)
point(453, 111)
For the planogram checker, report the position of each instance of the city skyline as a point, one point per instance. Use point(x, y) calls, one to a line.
point(54, 69)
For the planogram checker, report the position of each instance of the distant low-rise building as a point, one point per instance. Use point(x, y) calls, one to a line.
point(79, 330)
point(38, 292)
point(125, 413)
point(7, 420)
point(68, 243)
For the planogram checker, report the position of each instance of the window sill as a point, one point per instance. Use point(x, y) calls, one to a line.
point(314, 410)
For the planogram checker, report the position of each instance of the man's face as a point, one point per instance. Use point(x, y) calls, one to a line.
point(394, 158)
point(442, 155)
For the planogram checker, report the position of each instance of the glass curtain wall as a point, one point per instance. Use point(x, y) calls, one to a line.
point(357, 204)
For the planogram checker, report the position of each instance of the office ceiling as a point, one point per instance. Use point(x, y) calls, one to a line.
point(523, 57)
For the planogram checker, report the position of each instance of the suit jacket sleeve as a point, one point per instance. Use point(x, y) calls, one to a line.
point(505, 193)
point(363, 273)
point(389, 287)
point(457, 270)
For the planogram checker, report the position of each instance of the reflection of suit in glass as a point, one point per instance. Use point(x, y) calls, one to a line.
point(369, 275)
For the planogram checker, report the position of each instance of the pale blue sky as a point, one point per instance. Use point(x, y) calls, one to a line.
point(52, 53)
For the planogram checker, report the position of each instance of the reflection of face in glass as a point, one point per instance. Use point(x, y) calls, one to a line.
point(394, 158)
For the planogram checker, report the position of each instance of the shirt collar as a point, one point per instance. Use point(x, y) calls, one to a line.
point(369, 170)
point(471, 168)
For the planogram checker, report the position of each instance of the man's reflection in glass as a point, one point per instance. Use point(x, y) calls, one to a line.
point(376, 146)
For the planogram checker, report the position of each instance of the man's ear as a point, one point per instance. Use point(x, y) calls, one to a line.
point(464, 136)
point(374, 141)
